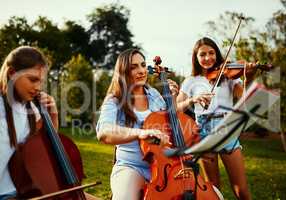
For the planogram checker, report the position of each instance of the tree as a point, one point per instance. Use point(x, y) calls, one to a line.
point(101, 86)
point(109, 34)
point(277, 36)
point(12, 35)
point(106, 37)
point(76, 85)
point(77, 37)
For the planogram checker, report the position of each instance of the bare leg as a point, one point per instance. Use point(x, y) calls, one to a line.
point(234, 166)
point(90, 197)
point(210, 163)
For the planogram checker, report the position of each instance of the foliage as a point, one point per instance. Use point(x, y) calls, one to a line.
point(109, 34)
point(101, 86)
point(98, 46)
point(11, 35)
point(106, 37)
point(277, 31)
point(76, 81)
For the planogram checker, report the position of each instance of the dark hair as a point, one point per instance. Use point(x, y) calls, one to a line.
point(196, 67)
point(121, 83)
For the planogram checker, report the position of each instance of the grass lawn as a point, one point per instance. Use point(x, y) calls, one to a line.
point(264, 159)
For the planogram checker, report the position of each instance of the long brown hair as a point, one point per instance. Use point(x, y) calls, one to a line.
point(21, 58)
point(121, 83)
point(196, 67)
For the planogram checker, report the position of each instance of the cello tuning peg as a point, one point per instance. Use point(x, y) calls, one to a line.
point(157, 60)
point(150, 69)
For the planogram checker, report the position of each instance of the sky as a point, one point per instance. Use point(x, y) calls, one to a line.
point(168, 28)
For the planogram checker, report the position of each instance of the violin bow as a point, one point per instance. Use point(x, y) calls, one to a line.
point(54, 194)
point(227, 54)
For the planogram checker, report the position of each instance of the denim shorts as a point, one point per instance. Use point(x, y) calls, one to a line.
point(8, 195)
point(206, 125)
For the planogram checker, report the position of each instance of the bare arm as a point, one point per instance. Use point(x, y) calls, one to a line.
point(115, 134)
point(183, 101)
point(239, 88)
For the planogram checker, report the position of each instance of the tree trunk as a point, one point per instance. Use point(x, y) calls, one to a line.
point(283, 140)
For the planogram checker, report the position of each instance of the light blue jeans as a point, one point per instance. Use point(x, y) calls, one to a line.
point(206, 125)
point(8, 195)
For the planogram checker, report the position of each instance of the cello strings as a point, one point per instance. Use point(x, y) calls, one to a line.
point(72, 179)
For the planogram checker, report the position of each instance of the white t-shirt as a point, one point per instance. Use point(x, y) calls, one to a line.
point(195, 85)
point(141, 115)
point(22, 130)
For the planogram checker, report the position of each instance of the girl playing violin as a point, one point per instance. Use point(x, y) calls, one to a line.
point(128, 102)
point(21, 77)
point(195, 91)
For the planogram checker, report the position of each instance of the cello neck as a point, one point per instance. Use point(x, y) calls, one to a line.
point(57, 146)
point(177, 134)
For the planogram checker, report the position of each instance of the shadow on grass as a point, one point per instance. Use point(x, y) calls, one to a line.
point(264, 148)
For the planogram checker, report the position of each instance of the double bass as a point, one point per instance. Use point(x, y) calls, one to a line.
point(173, 178)
point(47, 164)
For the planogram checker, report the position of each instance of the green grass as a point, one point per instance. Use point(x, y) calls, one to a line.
point(97, 160)
point(265, 169)
point(264, 159)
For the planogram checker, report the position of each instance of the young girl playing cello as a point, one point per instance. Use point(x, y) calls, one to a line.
point(21, 77)
point(196, 90)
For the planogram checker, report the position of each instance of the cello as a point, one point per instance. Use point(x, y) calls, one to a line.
point(47, 163)
point(173, 178)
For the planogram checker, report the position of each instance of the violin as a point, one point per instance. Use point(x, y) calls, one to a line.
point(47, 163)
point(173, 178)
point(236, 70)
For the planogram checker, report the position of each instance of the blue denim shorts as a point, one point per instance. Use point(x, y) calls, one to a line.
point(207, 124)
point(8, 195)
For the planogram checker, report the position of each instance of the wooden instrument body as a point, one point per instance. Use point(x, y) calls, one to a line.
point(170, 179)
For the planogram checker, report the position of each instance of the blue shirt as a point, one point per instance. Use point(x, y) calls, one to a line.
point(129, 154)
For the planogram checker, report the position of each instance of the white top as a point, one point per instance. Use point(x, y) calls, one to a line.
point(141, 115)
point(196, 85)
point(22, 130)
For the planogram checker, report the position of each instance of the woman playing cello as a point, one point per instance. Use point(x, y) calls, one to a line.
point(128, 102)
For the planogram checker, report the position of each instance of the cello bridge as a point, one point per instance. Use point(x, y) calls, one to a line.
point(184, 173)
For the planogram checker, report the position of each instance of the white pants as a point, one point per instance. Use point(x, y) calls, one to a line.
point(126, 183)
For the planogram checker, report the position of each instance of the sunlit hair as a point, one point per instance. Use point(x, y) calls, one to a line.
point(196, 67)
point(121, 83)
point(23, 57)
